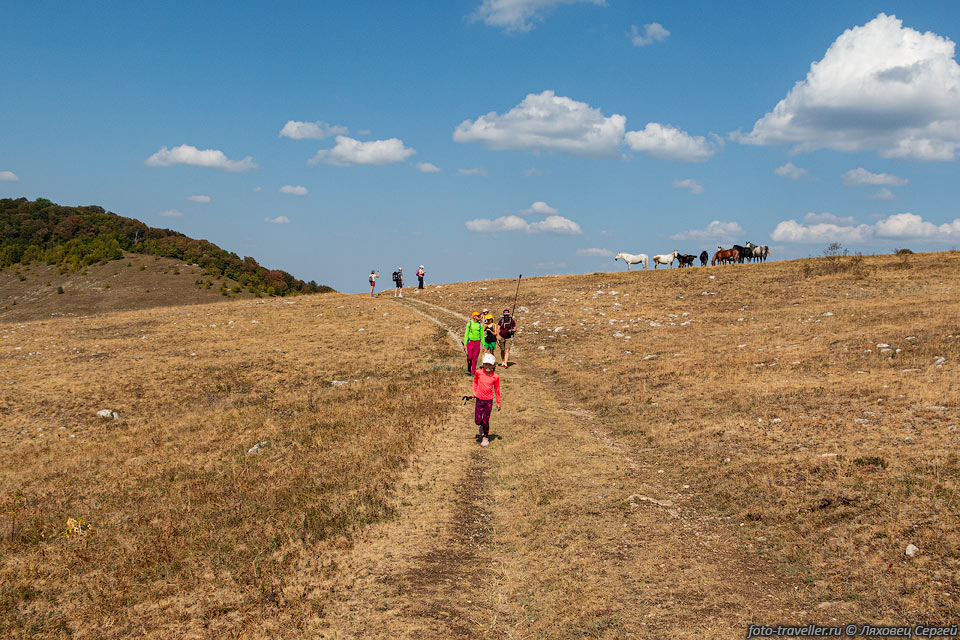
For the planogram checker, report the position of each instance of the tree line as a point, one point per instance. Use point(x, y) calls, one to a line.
point(77, 237)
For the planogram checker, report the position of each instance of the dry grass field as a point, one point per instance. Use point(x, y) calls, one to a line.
point(810, 406)
point(189, 534)
point(681, 453)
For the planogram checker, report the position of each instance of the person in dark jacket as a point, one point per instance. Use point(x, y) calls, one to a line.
point(506, 327)
point(398, 281)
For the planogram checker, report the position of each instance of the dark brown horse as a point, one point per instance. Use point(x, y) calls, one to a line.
point(725, 255)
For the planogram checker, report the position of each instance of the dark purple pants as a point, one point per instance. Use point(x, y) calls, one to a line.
point(473, 352)
point(481, 415)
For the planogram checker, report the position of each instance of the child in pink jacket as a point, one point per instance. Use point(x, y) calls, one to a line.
point(486, 385)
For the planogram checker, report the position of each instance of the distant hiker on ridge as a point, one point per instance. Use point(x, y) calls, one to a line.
point(373, 280)
point(471, 341)
point(420, 273)
point(398, 281)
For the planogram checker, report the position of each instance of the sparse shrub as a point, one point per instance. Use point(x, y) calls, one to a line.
point(59, 290)
point(870, 461)
point(22, 277)
point(48, 284)
point(143, 267)
point(176, 272)
point(147, 290)
point(129, 264)
point(902, 252)
point(237, 289)
point(84, 272)
point(106, 286)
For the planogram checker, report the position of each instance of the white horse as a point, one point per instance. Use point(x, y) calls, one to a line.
point(666, 258)
point(760, 252)
point(629, 258)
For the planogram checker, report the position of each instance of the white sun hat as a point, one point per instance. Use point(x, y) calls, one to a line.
point(489, 359)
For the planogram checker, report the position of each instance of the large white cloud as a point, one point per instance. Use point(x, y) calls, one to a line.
point(547, 122)
point(190, 155)
point(664, 141)
point(427, 167)
point(294, 190)
point(349, 152)
point(8, 176)
point(880, 87)
point(310, 130)
point(550, 224)
point(653, 32)
point(716, 231)
point(518, 15)
point(857, 177)
point(900, 226)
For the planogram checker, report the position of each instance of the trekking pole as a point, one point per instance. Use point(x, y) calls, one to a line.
point(515, 296)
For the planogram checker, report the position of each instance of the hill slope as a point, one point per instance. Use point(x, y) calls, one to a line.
point(76, 237)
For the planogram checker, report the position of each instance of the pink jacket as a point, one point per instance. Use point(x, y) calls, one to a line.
point(485, 385)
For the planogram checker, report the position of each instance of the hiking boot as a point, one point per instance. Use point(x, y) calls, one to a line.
point(484, 442)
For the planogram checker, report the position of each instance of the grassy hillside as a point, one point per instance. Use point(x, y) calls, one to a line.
point(76, 237)
point(40, 291)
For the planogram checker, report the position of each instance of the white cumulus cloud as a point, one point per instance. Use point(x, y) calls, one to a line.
point(190, 155)
point(665, 141)
point(791, 171)
point(170, 213)
point(278, 220)
point(880, 87)
point(471, 172)
point(653, 32)
point(551, 224)
point(199, 198)
point(427, 167)
point(518, 15)
point(689, 183)
point(547, 122)
point(716, 231)
point(348, 152)
point(8, 176)
point(310, 130)
point(539, 207)
point(593, 251)
point(293, 190)
point(899, 226)
point(857, 177)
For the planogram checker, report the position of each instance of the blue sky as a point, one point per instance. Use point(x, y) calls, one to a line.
point(485, 138)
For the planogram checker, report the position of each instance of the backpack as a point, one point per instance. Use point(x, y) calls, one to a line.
point(396, 277)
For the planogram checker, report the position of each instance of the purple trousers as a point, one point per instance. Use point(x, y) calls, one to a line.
point(481, 415)
point(473, 352)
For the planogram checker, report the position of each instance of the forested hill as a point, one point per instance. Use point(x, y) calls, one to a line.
point(76, 237)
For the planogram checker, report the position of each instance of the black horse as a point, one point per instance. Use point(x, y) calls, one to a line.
point(743, 253)
point(704, 256)
point(686, 260)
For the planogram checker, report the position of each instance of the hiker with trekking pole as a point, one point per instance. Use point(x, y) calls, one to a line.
point(506, 328)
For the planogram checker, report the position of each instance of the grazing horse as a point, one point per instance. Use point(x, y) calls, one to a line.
point(742, 253)
point(759, 252)
point(686, 260)
point(666, 258)
point(629, 258)
point(725, 255)
point(764, 252)
point(704, 256)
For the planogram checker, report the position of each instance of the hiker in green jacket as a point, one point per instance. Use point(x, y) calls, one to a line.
point(471, 341)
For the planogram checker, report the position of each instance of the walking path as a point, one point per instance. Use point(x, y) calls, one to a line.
point(556, 530)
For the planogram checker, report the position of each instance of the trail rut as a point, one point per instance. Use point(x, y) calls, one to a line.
point(557, 530)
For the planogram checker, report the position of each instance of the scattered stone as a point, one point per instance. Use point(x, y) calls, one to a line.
point(882, 345)
point(776, 421)
point(659, 503)
point(911, 550)
point(541, 348)
point(108, 414)
point(827, 314)
point(952, 427)
point(908, 439)
point(652, 356)
point(338, 383)
point(257, 447)
point(939, 361)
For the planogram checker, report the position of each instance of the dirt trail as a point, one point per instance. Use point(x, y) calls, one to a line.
point(556, 530)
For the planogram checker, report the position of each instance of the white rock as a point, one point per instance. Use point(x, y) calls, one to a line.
point(338, 383)
point(712, 277)
point(652, 356)
point(108, 414)
point(939, 361)
point(882, 345)
point(911, 550)
point(776, 421)
point(257, 447)
point(541, 348)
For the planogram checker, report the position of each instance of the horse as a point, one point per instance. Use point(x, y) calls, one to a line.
point(724, 255)
point(742, 253)
point(704, 257)
point(686, 260)
point(666, 258)
point(629, 258)
point(759, 252)
point(764, 252)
